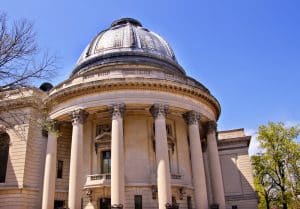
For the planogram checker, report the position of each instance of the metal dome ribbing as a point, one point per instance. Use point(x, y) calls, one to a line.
point(127, 37)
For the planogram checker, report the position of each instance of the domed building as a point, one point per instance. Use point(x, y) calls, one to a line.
point(129, 129)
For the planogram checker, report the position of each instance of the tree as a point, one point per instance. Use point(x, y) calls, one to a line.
point(276, 169)
point(22, 64)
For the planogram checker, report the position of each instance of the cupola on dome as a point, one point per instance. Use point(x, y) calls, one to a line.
point(126, 40)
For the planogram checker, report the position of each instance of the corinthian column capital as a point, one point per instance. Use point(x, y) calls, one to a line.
point(117, 110)
point(78, 116)
point(211, 127)
point(159, 110)
point(192, 117)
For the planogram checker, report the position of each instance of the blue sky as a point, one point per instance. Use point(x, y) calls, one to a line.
point(246, 52)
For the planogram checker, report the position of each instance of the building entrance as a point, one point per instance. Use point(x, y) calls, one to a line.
point(104, 203)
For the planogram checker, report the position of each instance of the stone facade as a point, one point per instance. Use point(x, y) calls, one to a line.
point(134, 132)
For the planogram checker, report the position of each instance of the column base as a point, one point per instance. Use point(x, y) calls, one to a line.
point(116, 206)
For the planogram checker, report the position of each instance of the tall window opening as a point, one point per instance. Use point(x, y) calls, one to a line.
point(4, 151)
point(106, 161)
point(59, 169)
point(189, 202)
point(138, 202)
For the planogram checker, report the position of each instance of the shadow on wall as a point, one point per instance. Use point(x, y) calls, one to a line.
point(238, 180)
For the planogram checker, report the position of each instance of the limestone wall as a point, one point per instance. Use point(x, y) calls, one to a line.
point(63, 154)
point(238, 178)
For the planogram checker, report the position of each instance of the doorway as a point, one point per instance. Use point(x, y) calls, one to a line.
point(104, 203)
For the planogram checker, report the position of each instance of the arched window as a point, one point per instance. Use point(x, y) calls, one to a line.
point(4, 149)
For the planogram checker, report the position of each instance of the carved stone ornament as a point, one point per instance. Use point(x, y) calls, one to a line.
point(192, 117)
point(211, 127)
point(78, 116)
point(159, 110)
point(117, 110)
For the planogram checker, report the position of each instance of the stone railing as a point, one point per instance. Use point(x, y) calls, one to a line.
point(97, 180)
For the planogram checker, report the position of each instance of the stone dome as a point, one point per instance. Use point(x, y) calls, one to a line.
point(126, 40)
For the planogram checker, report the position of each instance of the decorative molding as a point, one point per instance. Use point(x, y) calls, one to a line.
point(117, 111)
point(192, 117)
point(109, 85)
point(211, 127)
point(78, 116)
point(159, 110)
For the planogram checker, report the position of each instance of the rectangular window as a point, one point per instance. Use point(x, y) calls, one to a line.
point(59, 169)
point(138, 199)
point(106, 162)
point(234, 207)
point(189, 202)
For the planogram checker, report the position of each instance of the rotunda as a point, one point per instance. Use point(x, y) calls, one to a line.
point(134, 130)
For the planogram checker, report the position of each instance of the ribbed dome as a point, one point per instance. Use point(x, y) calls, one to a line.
point(127, 37)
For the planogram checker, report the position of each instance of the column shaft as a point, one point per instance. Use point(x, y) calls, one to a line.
point(199, 180)
point(215, 166)
point(50, 172)
point(162, 159)
point(117, 157)
point(75, 178)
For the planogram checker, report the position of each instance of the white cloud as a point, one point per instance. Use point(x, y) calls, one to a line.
point(254, 144)
point(292, 123)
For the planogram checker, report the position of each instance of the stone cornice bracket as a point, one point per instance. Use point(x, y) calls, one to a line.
point(192, 117)
point(117, 110)
point(78, 116)
point(159, 110)
point(211, 127)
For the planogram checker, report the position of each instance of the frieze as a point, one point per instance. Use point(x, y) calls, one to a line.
point(134, 83)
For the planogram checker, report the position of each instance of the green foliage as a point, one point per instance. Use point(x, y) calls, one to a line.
point(277, 168)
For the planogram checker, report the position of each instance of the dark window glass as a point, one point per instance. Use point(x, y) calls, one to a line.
point(138, 202)
point(104, 203)
point(106, 162)
point(4, 151)
point(59, 204)
point(234, 207)
point(174, 200)
point(59, 169)
point(189, 202)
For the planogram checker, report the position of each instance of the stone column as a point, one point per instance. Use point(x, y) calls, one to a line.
point(214, 166)
point(75, 178)
point(117, 157)
point(159, 112)
point(199, 180)
point(50, 170)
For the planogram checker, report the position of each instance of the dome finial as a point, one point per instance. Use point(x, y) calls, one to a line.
point(126, 20)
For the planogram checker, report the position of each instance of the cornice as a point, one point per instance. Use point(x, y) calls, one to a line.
point(234, 141)
point(134, 84)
